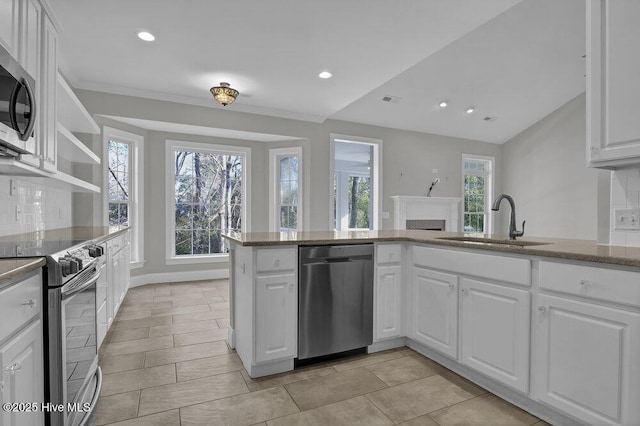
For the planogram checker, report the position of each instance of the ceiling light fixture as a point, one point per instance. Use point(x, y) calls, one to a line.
point(471, 110)
point(325, 74)
point(443, 104)
point(146, 36)
point(224, 93)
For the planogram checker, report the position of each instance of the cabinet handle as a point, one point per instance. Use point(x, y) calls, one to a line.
point(463, 291)
point(542, 308)
point(32, 303)
point(1, 385)
point(13, 369)
point(451, 286)
point(276, 263)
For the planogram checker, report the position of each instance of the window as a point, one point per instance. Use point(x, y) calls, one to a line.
point(285, 198)
point(123, 171)
point(356, 173)
point(477, 190)
point(118, 182)
point(206, 193)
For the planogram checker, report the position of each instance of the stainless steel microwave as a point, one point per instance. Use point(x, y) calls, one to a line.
point(17, 108)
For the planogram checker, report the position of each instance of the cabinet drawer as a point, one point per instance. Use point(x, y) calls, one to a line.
point(274, 260)
point(19, 303)
point(495, 267)
point(388, 253)
point(118, 242)
point(612, 285)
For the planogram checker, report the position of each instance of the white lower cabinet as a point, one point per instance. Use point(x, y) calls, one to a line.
point(588, 360)
point(434, 321)
point(102, 316)
point(21, 363)
point(276, 317)
point(265, 308)
point(21, 351)
point(118, 273)
point(388, 303)
point(495, 324)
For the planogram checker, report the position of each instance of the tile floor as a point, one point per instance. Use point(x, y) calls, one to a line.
point(166, 362)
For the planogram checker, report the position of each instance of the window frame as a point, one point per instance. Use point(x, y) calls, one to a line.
point(171, 146)
point(275, 154)
point(136, 188)
point(488, 174)
point(377, 181)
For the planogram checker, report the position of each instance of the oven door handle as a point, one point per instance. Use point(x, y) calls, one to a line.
point(94, 278)
point(94, 400)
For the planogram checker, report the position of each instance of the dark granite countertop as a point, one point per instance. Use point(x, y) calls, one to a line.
point(581, 250)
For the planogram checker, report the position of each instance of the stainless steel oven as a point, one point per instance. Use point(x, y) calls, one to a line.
point(75, 379)
point(17, 108)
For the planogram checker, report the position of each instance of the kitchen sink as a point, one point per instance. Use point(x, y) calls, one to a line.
point(481, 240)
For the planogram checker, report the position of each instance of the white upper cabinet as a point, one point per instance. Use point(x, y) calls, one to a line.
point(29, 55)
point(613, 67)
point(9, 25)
point(48, 96)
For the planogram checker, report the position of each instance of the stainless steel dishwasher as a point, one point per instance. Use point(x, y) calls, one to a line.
point(335, 299)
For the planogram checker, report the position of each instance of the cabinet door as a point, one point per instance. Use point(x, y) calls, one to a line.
point(48, 95)
point(435, 310)
point(21, 366)
point(9, 25)
point(613, 66)
point(276, 317)
point(30, 21)
point(113, 262)
point(388, 302)
point(124, 271)
point(587, 360)
point(495, 331)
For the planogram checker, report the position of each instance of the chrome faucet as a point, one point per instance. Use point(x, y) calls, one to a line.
point(513, 232)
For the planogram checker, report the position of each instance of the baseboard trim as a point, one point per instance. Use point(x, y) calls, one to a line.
point(172, 277)
point(384, 345)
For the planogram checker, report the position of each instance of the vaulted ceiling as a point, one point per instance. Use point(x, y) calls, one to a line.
point(514, 61)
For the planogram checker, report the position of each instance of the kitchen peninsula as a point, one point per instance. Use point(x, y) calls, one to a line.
point(524, 319)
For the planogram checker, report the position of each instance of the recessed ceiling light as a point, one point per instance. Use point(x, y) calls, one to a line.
point(325, 74)
point(470, 110)
point(146, 36)
point(443, 104)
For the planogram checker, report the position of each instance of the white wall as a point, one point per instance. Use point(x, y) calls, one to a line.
point(42, 207)
point(544, 170)
point(625, 193)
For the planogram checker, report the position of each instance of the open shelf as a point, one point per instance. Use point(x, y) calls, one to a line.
point(12, 167)
point(71, 113)
point(72, 149)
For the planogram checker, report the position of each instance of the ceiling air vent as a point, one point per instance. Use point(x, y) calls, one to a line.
point(392, 99)
point(489, 118)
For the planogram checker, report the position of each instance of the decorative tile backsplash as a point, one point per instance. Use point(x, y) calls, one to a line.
point(625, 193)
point(27, 206)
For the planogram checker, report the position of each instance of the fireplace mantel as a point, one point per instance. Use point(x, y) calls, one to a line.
point(412, 207)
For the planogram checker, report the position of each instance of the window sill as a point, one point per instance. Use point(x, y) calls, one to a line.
point(186, 260)
point(137, 264)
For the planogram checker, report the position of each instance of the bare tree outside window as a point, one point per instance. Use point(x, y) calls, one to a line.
point(119, 169)
point(208, 201)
